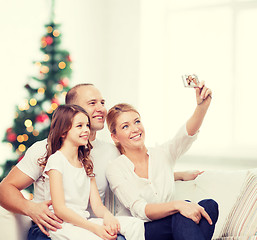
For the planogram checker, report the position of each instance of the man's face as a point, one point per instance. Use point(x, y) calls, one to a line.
point(90, 98)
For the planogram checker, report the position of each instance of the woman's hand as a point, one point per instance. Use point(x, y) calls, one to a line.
point(203, 94)
point(111, 223)
point(192, 211)
point(187, 175)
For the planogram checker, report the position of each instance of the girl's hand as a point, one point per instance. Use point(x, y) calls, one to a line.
point(203, 94)
point(193, 211)
point(190, 175)
point(103, 233)
point(111, 223)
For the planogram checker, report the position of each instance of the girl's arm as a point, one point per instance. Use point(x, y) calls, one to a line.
point(203, 98)
point(101, 211)
point(65, 213)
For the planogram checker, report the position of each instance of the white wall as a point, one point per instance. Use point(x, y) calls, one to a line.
point(125, 48)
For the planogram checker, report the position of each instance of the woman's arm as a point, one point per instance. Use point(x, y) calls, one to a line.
point(187, 175)
point(190, 210)
point(67, 214)
point(203, 99)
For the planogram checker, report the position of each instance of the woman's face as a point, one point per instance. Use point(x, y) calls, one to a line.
point(130, 132)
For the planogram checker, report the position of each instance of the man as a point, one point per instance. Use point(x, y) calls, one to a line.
point(27, 170)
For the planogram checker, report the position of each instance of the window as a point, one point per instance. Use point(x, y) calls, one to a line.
point(217, 40)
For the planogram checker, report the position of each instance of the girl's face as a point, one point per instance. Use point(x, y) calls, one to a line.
point(130, 132)
point(79, 133)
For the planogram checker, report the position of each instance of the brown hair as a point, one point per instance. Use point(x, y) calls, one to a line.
point(60, 126)
point(71, 96)
point(113, 115)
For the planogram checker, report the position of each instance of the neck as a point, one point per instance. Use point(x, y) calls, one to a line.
point(136, 155)
point(92, 135)
point(71, 152)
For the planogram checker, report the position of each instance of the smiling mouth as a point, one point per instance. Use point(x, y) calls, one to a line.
point(84, 137)
point(98, 117)
point(136, 137)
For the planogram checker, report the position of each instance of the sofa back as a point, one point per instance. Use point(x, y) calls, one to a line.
point(222, 186)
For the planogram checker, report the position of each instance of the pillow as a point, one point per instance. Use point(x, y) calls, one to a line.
point(237, 238)
point(221, 185)
point(241, 222)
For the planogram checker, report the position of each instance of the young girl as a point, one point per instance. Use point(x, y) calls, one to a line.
point(143, 179)
point(70, 182)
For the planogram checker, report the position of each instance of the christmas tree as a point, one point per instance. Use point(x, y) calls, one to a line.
point(45, 92)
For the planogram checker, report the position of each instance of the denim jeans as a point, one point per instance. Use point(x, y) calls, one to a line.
point(120, 237)
point(36, 234)
point(178, 227)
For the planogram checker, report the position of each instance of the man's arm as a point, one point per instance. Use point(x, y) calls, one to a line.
point(12, 199)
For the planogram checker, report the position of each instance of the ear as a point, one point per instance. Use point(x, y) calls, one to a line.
point(114, 138)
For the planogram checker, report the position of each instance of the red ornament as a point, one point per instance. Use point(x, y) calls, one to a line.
point(42, 117)
point(49, 40)
point(55, 100)
point(21, 157)
point(68, 58)
point(9, 130)
point(64, 82)
point(11, 137)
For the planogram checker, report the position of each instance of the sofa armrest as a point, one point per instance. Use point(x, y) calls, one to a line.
point(13, 226)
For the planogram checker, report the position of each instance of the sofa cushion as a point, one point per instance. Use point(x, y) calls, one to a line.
point(242, 219)
point(222, 186)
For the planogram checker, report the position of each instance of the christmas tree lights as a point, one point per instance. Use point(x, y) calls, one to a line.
point(45, 93)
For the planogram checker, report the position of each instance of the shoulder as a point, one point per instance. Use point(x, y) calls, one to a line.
point(29, 163)
point(109, 150)
point(119, 164)
point(38, 148)
point(55, 161)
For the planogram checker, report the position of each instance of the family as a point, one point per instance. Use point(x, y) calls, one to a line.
point(71, 171)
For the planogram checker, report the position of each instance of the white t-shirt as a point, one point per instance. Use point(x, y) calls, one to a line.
point(101, 154)
point(135, 192)
point(76, 183)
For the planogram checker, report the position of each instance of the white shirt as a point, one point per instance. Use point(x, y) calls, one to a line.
point(101, 154)
point(135, 192)
point(76, 183)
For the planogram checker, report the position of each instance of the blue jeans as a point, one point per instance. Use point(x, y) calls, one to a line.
point(178, 227)
point(120, 237)
point(36, 234)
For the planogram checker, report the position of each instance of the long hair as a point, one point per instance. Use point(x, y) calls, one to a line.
point(60, 126)
point(112, 117)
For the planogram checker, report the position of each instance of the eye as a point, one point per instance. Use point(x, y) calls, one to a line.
point(79, 125)
point(138, 121)
point(92, 103)
point(103, 102)
point(88, 125)
point(125, 126)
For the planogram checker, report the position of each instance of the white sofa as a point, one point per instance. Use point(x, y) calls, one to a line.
point(226, 187)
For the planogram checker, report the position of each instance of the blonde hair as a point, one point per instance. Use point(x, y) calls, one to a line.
point(112, 117)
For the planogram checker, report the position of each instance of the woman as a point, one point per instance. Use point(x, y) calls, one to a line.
point(143, 180)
